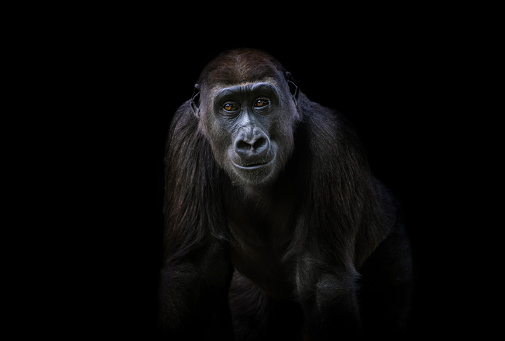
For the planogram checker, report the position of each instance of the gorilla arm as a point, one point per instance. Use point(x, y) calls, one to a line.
point(194, 292)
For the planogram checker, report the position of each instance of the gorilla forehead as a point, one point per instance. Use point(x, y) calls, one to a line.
point(241, 66)
point(247, 88)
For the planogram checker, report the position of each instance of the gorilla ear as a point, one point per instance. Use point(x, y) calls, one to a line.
point(195, 100)
point(293, 88)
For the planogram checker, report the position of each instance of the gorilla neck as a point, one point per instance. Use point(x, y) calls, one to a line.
point(263, 201)
point(260, 194)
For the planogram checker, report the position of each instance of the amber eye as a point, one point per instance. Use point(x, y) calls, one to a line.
point(260, 103)
point(230, 106)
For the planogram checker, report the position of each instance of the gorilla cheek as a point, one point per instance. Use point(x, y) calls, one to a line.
point(285, 140)
point(218, 138)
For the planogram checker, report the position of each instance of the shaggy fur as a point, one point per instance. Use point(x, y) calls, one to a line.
point(318, 251)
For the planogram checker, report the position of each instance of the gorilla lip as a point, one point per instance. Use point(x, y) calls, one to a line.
point(254, 165)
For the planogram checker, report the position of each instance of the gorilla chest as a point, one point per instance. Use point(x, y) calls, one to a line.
point(261, 236)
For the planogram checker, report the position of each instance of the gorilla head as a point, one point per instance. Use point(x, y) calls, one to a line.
point(247, 112)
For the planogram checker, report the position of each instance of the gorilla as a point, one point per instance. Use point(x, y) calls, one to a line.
point(275, 227)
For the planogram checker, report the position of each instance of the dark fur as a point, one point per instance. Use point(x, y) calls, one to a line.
point(346, 268)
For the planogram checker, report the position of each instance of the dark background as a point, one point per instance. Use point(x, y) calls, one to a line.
point(117, 77)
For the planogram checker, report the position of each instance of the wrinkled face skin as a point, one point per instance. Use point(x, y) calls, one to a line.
point(250, 128)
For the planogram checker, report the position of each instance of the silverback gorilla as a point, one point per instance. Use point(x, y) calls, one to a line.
point(275, 227)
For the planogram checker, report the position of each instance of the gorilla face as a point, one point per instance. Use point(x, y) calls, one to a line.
point(248, 114)
point(250, 128)
point(245, 109)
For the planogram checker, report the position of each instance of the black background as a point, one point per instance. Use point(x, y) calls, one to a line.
point(117, 77)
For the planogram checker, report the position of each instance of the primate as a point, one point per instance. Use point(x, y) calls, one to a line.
point(276, 228)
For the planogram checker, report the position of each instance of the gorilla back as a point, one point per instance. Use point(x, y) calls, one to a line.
point(275, 226)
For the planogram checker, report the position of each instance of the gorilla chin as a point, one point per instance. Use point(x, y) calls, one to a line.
point(254, 173)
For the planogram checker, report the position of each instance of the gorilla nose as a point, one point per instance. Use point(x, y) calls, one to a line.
point(252, 147)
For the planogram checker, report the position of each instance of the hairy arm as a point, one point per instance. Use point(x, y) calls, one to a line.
point(194, 294)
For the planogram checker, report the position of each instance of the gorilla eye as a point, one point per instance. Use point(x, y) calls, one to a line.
point(230, 106)
point(261, 103)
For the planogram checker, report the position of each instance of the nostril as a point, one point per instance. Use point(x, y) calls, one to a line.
point(260, 144)
point(243, 146)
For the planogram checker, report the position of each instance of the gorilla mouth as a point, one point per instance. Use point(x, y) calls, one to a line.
point(253, 166)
